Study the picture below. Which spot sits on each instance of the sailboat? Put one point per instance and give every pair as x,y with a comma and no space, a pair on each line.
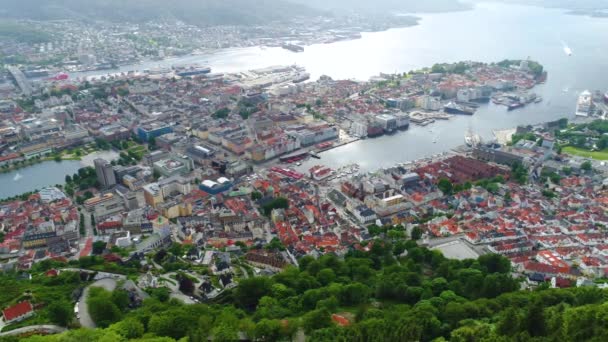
17,177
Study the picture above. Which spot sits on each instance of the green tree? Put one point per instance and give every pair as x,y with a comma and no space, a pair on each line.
445,186
60,312
416,233
130,328
494,263
316,319
256,195
98,247
268,330
250,290
586,166
101,308
535,319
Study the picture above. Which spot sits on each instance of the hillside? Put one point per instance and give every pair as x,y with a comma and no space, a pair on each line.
198,12
368,296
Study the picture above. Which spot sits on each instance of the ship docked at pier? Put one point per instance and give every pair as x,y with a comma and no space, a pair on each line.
192,71
455,108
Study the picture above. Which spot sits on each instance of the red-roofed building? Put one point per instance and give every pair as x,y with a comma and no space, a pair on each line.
18,312
340,320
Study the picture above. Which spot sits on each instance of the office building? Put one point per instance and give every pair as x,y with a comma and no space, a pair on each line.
105,173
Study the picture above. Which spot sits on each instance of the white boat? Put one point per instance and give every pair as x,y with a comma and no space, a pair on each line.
17,177
584,103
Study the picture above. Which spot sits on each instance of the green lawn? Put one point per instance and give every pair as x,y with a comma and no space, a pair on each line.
598,155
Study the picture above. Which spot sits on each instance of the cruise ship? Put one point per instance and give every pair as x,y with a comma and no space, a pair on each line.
454,108
583,106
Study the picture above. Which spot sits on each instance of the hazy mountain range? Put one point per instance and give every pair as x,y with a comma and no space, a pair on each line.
566,4
411,6
198,12
209,12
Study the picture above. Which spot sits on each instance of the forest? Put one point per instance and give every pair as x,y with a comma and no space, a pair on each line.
382,292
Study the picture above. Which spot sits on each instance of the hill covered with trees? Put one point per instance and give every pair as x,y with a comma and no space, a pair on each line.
393,292
196,12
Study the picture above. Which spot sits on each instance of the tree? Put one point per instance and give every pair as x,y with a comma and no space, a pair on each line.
152,143
277,203
256,195
121,299
224,333
494,263
68,179
316,319
221,113
268,330
101,308
586,166
416,233
60,312
535,318
98,247
250,290
326,276
130,328
445,186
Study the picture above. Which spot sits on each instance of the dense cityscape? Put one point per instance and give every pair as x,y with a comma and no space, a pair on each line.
195,213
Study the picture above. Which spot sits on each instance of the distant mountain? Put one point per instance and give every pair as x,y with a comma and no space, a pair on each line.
411,6
197,12
565,4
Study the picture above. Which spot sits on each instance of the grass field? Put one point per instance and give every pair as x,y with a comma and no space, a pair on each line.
598,155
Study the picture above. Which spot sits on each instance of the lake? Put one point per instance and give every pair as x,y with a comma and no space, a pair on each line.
36,177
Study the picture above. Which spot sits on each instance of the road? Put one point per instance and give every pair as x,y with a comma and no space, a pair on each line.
48,328
85,319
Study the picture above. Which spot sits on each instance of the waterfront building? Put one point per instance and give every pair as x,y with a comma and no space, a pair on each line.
387,121
314,134
427,102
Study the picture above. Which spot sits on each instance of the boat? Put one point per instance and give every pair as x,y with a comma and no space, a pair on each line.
606,97
538,99
301,77
17,177
583,105
293,47
515,105
194,71
454,108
